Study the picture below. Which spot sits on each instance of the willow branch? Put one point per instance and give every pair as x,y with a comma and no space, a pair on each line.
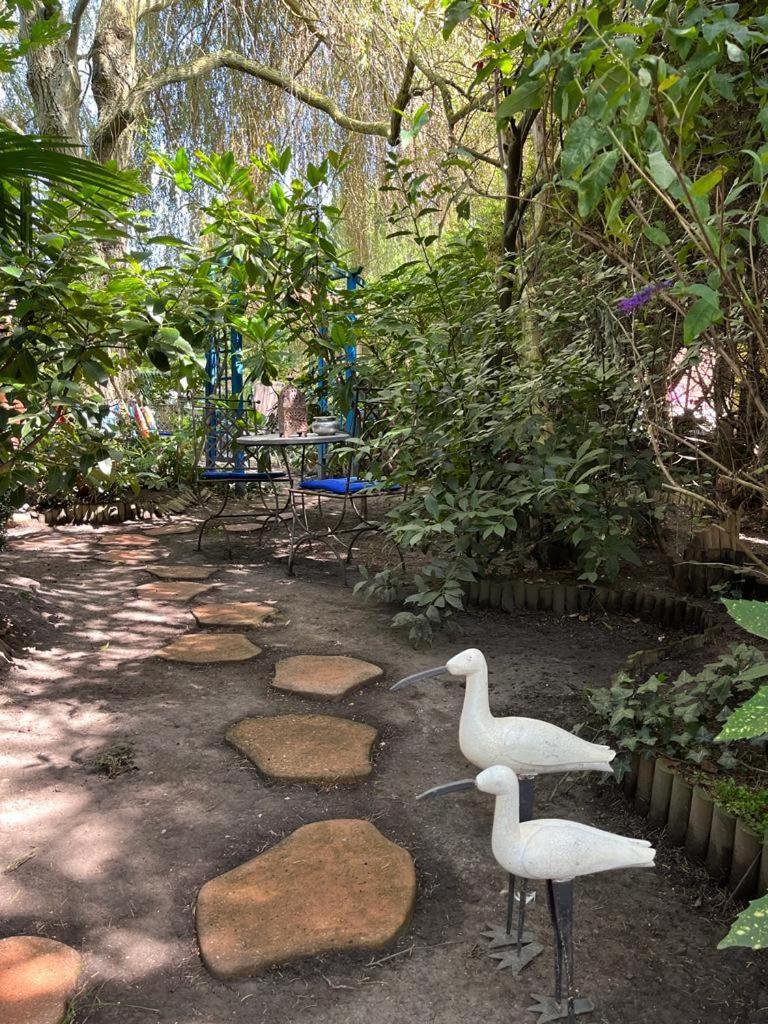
6,122
401,102
204,65
146,7
75,22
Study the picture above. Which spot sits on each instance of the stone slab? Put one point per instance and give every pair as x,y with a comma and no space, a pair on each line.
126,557
38,977
171,530
172,591
233,613
324,677
182,572
127,540
209,648
306,748
244,527
331,885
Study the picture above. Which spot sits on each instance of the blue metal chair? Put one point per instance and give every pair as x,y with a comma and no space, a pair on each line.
226,414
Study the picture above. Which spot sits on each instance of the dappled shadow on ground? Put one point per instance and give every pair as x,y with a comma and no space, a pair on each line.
112,865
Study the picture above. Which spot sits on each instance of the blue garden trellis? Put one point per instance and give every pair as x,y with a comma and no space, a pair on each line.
354,281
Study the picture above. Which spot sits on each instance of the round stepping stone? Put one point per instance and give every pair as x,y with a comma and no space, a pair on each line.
38,977
170,530
236,613
306,748
332,885
127,540
170,591
182,572
125,557
325,677
208,648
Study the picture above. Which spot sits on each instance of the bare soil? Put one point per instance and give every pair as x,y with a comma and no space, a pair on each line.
112,865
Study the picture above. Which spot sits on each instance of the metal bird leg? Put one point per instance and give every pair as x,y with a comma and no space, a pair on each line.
560,897
517,958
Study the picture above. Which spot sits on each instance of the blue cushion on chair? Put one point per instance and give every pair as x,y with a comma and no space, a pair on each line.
238,475
344,485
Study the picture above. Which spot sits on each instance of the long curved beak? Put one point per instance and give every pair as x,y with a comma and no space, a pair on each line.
428,673
447,787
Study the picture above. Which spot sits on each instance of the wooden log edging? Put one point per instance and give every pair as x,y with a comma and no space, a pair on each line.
701,624
570,598
732,854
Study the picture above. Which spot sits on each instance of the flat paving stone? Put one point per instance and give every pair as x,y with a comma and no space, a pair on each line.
171,530
173,591
331,885
325,677
126,557
127,540
182,572
209,648
38,977
306,748
234,613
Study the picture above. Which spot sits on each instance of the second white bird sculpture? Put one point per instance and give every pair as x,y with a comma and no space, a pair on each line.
555,851
526,745
529,747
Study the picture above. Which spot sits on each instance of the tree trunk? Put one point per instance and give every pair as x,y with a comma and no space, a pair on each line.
115,74
53,79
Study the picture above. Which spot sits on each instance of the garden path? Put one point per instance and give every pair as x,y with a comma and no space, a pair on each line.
112,866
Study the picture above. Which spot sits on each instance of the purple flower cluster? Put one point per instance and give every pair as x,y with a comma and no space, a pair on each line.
640,298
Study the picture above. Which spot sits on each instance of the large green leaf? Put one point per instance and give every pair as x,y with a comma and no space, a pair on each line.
750,720
583,140
662,171
750,928
750,615
703,313
593,184
46,159
527,96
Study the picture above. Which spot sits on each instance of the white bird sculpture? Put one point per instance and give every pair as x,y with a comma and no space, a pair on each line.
529,747
555,851
526,745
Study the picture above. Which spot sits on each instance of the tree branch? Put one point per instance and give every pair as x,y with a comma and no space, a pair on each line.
113,127
146,7
75,21
6,122
401,102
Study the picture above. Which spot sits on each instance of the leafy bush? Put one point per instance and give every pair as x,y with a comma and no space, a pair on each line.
679,718
750,805
510,459
750,721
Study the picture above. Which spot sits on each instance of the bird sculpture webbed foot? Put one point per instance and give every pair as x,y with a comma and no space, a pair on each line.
550,1009
516,959
500,938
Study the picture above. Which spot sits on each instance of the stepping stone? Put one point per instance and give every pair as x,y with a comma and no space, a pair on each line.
326,677
38,977
243,527
127,557
182,572
209,648
236,613
306,748
127,540
170,530
172,591
255,527
331,885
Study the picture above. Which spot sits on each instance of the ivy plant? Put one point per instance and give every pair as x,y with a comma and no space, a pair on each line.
750,721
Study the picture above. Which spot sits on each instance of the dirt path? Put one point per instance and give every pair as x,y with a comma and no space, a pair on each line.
116,863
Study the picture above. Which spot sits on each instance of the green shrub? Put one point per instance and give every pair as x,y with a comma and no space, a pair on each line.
679,718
